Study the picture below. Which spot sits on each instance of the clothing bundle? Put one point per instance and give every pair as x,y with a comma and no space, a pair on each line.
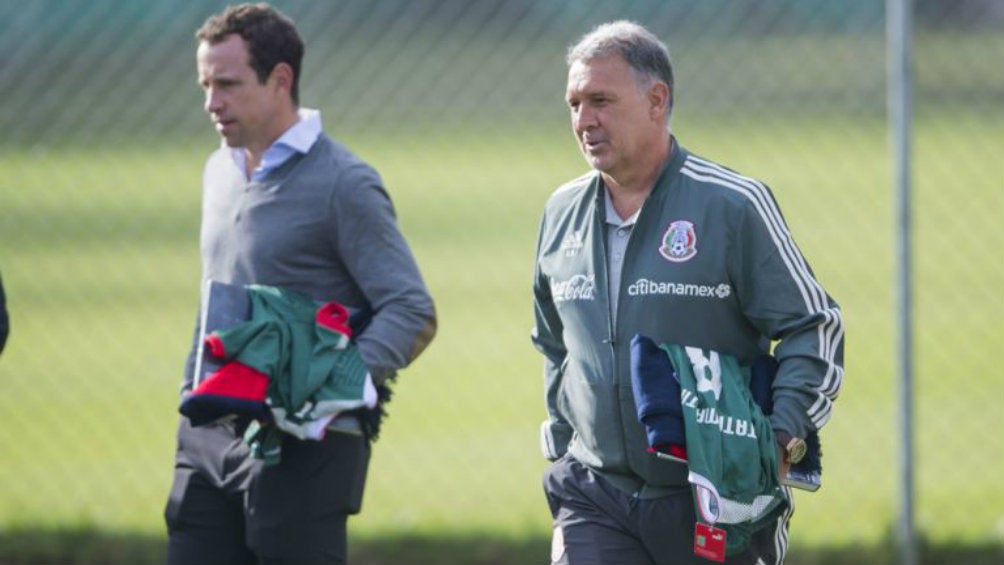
291,368
704,409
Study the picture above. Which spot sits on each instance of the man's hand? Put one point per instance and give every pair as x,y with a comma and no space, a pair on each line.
782,463
789,450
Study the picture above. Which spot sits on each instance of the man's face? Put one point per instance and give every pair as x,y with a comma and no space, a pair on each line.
242,109
613,118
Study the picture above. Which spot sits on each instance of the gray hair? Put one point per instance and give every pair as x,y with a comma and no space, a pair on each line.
639,48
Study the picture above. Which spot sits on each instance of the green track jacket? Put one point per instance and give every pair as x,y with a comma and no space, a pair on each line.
711,264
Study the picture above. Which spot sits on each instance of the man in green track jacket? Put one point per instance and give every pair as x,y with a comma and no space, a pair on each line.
659,241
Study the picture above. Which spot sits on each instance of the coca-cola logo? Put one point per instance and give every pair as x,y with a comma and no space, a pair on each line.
579,287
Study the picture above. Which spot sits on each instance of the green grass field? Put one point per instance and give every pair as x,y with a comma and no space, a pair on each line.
98,250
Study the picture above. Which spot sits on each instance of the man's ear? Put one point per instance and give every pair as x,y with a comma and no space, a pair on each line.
659,97
282,77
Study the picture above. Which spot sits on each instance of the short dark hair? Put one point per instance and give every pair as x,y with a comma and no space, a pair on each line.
270,35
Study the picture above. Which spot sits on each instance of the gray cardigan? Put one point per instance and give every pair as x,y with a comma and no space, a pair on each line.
321,224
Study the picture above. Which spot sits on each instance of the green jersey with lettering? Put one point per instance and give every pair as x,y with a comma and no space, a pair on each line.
730,445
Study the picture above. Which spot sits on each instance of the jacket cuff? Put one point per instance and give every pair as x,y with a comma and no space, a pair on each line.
215,345
554,439
785,419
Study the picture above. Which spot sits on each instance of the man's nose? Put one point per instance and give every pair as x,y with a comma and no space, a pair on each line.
212,102
584,118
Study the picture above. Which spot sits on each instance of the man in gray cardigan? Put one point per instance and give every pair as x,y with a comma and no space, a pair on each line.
284,205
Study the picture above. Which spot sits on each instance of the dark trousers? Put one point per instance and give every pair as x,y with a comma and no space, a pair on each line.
226,508
596,523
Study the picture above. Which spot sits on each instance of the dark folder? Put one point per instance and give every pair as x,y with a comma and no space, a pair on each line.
223,306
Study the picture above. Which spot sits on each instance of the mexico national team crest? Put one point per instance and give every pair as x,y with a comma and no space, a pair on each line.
679,243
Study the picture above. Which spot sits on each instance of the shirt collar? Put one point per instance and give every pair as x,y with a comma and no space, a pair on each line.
301,135
612,217
297,139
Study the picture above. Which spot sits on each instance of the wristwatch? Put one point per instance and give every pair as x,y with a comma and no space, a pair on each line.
794,447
